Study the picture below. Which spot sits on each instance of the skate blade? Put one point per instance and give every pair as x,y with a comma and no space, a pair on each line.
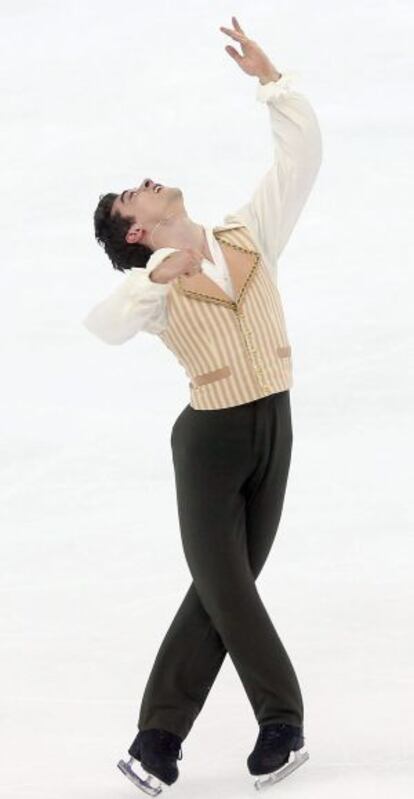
149,784
296,759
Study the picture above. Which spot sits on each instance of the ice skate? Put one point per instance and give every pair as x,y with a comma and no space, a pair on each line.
153,760
278,751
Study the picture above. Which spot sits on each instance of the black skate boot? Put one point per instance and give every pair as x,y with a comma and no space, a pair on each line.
157,751
278,751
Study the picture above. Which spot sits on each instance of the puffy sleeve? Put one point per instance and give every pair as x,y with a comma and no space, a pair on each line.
275,205
138,303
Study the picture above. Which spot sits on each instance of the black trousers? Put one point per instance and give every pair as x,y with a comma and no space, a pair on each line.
231,467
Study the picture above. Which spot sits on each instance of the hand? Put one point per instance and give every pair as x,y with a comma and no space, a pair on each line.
184,262
253,61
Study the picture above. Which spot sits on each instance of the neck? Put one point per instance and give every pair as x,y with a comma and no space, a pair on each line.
180,232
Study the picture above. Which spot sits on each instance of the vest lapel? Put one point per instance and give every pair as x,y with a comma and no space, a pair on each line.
241,265
201,287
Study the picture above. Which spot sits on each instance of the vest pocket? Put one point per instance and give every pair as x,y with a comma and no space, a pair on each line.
210,377
284,352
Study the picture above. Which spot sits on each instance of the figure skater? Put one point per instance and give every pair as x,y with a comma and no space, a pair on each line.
211,295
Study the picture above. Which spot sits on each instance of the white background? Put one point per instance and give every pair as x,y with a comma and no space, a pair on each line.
95,96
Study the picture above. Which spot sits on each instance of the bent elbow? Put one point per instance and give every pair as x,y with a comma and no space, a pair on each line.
105,335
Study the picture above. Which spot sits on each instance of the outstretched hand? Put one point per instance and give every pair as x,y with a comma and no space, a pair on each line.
253,61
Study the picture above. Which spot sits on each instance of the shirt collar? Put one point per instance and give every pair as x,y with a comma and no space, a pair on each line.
214,246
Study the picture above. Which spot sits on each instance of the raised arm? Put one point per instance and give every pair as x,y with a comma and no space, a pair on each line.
275,205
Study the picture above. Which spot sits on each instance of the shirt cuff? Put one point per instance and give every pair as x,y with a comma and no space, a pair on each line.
275,88
152,286
156,258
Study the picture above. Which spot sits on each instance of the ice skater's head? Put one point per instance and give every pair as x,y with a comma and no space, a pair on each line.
133,224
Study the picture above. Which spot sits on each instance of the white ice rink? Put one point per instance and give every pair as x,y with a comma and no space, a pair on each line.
94,97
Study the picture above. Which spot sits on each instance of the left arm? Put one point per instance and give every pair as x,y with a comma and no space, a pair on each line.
273,209
276,204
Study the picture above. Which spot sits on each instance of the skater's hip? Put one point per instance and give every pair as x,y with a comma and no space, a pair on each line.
239,418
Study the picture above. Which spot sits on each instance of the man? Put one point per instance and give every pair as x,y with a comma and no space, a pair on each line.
212,297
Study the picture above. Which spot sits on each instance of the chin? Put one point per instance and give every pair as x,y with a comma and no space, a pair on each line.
174,197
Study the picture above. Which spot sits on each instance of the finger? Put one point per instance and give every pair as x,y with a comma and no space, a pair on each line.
234,54
240,37
237,25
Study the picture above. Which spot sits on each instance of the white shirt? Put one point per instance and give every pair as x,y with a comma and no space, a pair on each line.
218,271
270,215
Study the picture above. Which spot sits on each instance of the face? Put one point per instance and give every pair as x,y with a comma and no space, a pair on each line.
147,203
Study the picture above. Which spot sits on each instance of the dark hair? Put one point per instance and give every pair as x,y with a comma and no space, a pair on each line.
110,232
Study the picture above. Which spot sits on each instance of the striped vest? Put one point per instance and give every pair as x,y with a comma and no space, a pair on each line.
233,351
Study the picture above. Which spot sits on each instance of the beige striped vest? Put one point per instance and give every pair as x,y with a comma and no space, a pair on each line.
232,350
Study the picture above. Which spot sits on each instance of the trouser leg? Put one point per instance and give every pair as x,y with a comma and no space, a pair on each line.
230,490
265,492
184,670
